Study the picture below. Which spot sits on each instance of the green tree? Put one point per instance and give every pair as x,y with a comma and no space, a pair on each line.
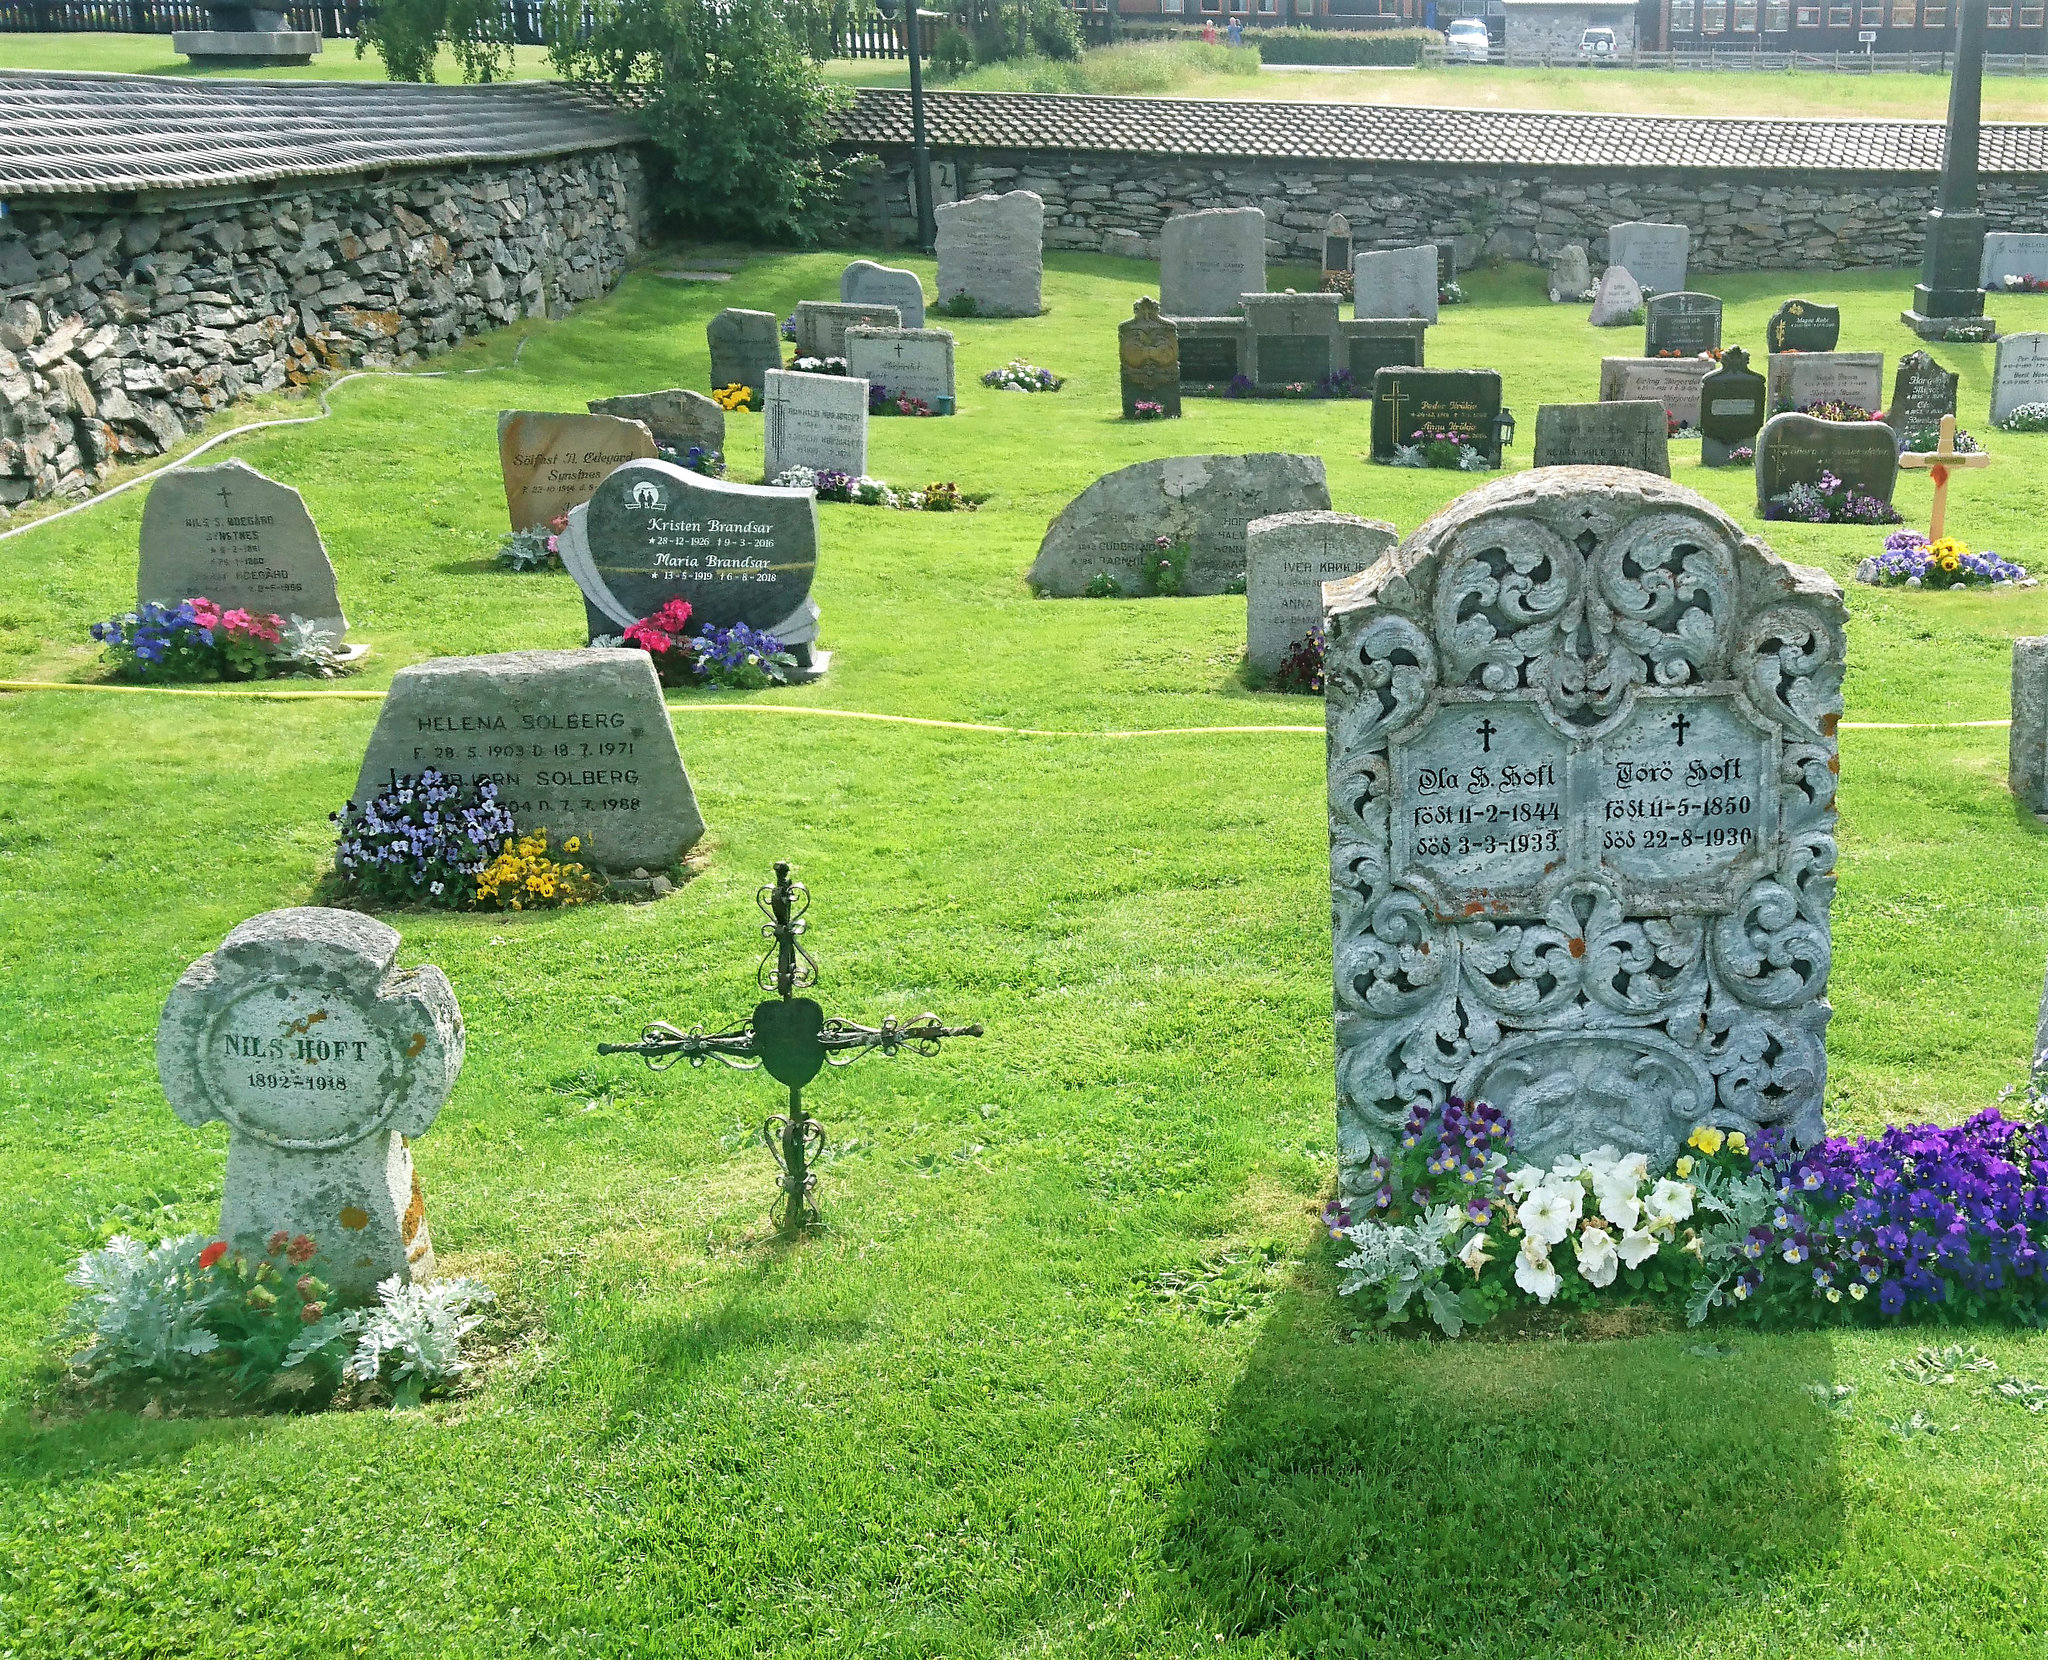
409,34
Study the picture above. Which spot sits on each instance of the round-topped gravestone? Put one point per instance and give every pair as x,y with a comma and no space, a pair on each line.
1798,449
322,1057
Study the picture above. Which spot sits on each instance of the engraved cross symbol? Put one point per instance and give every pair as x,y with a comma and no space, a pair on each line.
1395,400
1679,726
1486,731
226,499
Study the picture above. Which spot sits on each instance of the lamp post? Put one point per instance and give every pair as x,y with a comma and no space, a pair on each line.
1948,295
920,155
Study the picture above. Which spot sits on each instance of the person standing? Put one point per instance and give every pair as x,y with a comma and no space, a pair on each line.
1236,32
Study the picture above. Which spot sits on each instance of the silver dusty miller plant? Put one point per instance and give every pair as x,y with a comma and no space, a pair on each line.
1581,786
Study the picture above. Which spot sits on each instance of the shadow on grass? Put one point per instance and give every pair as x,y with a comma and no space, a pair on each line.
1418,1498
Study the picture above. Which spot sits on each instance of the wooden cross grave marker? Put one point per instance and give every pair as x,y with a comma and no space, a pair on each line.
1937,463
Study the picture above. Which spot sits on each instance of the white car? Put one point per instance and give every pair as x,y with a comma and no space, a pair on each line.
1465,41
1597,46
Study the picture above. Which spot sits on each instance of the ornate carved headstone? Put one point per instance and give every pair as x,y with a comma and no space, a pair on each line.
1208,259
745,345
237,538
1581,786
323,1058
1148,360
551,463
1803,326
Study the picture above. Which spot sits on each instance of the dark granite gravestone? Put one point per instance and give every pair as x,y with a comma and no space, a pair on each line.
745,345
1463,401
1803,326
1922,392
1337,244
1613,434
1294,338
1733,405
1210,356
737,552
1797,449
1376,343
1148,359
1682,325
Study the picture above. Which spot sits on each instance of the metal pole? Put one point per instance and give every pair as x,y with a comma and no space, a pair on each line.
920,154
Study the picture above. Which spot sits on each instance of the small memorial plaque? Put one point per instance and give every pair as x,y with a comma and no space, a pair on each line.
1373,344
1293,359
1209,358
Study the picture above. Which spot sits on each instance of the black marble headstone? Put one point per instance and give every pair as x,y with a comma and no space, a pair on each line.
1803,326
1288,358
1464,401
1922,392
1682,325
1733,404
1207,359
1797,449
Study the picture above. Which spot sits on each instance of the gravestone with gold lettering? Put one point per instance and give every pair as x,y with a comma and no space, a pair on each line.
1582,804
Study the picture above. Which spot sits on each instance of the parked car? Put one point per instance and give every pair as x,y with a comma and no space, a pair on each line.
1465,41
1597,46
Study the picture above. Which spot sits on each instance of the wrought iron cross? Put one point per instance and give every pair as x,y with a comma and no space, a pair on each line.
791,1037
1938,461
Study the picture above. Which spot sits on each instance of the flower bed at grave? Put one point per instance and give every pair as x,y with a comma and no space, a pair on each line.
1909,560
1830,502
733,397
1146,410
698,458
1447,450
1946,1225
1450,293
198,640
1301,669
2020,285
819,365
881,403
859,490
738,658
1162,576
427,840
213,1327
1336,384
1834,409
535,549
2027,417
1924,440
1019,376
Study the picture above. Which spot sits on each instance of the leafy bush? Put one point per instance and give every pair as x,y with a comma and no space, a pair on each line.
411,1342
537,549
143,1310
408,34
421,841
1367,46
1103,586
1166,567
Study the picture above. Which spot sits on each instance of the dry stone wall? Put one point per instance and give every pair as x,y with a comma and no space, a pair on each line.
121,329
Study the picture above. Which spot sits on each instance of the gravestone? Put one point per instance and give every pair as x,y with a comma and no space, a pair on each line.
1672,381
2019,375
1681,325
1295,339
551,463
244,541
1617,301
325,1060
1654,255
745,345
815,421
739,553
1336,245
821,326
1463,401
1733,407
1375,343
1148,360
1608,434
2027,759
676,418
1113,526
992,251
1797,449
1803,326
578,743
1571,273
1922,392
2022,254
1287,559
906,363
1212,351
866,283
1801,378
1581,784
1208,259
1395,282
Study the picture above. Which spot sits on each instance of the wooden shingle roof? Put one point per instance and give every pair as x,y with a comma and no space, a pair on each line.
63,134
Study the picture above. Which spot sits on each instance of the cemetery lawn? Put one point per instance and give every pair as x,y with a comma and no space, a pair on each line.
117,54
1067,1374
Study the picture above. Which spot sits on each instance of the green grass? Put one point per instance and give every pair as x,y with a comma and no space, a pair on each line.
152,55
962,1422
1153,66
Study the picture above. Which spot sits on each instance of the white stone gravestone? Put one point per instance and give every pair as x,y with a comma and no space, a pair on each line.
237,538
1655,255
1797,379
2019,375
324,1059
1207,260
905,363
992,251
2027,757
1395,282
815,421
866,283
2013,254
1617,301
1287,559
1582,803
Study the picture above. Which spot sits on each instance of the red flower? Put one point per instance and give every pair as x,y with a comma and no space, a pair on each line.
301,1249
277,1242
213,1253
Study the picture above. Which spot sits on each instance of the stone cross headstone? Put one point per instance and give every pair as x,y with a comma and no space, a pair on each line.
1295,339
1797,449
1803,326
821,326
2019,375
1113,526
1733,406
1581,783
739,553
1612,434
229,534
1617,301
1672,381
1461,401
324,1059
1207,260
1922,392
1395,282
2027,760
1571,273
578,743
551,463
1681,324
905,363
815,421
1287,559
1148,360
1655,255
745,345
2010,254
1336,246
866,283
677,418
992,251
1801,378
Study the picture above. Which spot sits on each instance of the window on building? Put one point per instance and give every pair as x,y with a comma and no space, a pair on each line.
1745,17
1777,16
1240,6
1998,17
1681,17
1902,14
1713,17
2031,16
1212,5
1266,6
1933,17
1870,14
1304,8
1808,17
1841,17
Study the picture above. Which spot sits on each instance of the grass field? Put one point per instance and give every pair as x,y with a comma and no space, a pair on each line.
965,1421
152,55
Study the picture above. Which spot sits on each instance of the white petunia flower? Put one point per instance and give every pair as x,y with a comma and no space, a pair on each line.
1547,1214
1633,1166
1535,1275
1475,1255
1568,1168
1638,1245
1670,1202
1525,1181
1597,1261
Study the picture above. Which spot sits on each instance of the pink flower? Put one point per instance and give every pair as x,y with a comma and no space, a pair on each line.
204,612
